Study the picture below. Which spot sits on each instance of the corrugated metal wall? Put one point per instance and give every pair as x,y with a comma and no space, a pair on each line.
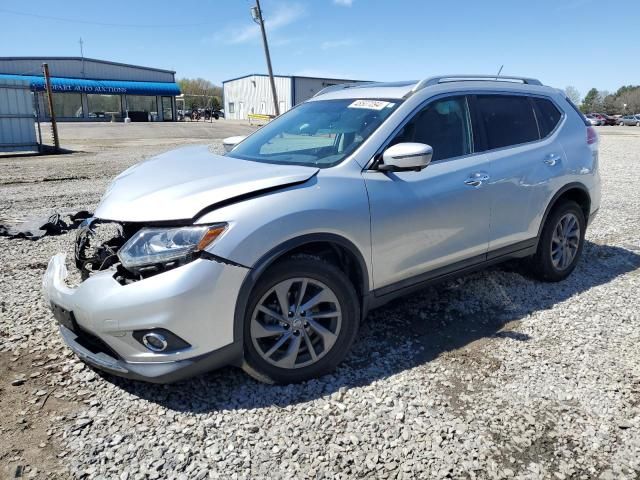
17,122
306,87
76,68
253,95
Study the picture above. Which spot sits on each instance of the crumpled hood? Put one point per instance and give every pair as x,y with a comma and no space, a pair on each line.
178,184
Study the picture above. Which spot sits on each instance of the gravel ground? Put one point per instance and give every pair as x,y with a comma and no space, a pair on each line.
493,375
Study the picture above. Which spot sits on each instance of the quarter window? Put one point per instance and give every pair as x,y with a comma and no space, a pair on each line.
507,120
548,116
444,125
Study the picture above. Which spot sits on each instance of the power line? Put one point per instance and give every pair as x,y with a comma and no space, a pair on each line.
102,24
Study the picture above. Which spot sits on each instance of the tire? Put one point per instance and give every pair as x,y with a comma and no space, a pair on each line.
546,264
318,325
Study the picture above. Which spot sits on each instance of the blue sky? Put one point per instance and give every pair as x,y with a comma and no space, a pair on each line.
585,43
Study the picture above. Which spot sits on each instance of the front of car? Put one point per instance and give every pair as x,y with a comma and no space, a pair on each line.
174,239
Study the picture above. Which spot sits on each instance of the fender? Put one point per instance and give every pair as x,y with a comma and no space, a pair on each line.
272,255
558,194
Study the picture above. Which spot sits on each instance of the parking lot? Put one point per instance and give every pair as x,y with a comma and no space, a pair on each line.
493,375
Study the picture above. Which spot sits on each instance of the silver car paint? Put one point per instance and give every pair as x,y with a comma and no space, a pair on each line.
178,184
416,221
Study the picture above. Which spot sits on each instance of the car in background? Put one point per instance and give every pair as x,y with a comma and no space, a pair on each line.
608,119
593,120
630,120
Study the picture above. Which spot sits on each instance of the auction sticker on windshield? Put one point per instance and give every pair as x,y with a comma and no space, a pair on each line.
370,104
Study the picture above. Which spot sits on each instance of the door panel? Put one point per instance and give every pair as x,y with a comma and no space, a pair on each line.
424,220
523,166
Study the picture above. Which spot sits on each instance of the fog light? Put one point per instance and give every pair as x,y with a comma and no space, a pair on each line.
154,341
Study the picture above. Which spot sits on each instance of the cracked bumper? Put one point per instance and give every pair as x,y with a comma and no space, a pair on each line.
195,301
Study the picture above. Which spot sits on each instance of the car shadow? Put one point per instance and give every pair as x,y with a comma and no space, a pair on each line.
407,333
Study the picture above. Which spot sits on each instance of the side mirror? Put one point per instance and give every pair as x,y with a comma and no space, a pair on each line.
230,142
406,156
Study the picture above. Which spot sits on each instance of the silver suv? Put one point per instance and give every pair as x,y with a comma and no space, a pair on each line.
270,256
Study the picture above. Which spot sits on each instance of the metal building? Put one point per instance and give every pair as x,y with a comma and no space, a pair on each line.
86,89
17,124
251,94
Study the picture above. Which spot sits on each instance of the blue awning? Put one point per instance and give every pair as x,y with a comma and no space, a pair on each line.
103,87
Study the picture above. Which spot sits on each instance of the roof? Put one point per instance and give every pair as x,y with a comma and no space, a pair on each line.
87,59
79,85
344,80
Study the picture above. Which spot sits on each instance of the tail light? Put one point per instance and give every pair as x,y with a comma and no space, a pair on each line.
592,136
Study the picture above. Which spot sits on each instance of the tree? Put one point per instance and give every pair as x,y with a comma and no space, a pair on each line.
573,94
198,92
591,101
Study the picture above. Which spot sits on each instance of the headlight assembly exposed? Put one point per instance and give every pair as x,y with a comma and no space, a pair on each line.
151,246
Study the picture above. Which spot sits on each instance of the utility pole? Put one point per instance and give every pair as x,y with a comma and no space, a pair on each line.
82,55
54,125
256,13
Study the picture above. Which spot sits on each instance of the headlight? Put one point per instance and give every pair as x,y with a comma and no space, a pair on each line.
163,245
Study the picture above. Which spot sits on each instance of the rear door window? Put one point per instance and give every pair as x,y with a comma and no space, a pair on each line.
548,115
507,120
444,124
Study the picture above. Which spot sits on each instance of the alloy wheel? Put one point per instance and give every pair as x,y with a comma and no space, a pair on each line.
296,323
565,241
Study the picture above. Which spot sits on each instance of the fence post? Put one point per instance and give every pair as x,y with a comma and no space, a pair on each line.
54,125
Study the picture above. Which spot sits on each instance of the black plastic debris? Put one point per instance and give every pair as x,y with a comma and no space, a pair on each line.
36,228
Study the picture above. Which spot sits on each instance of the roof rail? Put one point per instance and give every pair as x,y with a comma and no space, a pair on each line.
341,86
428,82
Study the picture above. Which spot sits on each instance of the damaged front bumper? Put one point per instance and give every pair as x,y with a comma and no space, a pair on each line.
100,317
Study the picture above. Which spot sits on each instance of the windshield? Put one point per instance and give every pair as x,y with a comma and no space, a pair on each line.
319,133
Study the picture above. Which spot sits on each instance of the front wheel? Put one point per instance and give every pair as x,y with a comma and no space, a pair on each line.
561,242
301,320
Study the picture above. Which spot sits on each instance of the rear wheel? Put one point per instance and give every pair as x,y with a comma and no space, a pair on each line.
561,242
301,320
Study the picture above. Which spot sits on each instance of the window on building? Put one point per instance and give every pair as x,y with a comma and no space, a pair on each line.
508,120
232,107
140,103
65,105
445,125
104,106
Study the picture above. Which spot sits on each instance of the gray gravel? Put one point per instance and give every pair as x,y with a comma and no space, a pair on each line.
490,376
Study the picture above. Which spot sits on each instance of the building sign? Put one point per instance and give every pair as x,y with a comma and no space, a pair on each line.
65,88
99,87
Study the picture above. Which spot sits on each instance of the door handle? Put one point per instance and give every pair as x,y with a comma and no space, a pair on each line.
476,179
552,159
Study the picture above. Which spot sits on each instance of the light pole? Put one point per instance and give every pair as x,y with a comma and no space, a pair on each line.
256,14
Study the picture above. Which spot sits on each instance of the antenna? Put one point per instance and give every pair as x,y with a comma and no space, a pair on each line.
499,71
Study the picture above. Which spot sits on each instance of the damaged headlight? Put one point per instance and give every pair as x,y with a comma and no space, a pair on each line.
151,246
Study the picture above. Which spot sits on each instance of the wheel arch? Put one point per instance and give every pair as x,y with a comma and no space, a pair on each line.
575,191
304,244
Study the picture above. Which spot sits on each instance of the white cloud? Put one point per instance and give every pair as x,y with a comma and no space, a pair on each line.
282,15
345,42
343,3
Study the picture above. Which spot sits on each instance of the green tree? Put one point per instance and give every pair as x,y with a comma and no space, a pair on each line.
198,92
591,101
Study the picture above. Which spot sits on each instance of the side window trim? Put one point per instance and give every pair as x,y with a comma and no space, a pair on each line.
376,156
530,96
563,114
